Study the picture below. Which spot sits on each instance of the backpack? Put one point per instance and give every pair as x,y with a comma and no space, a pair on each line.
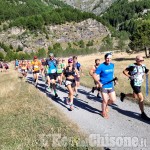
145,70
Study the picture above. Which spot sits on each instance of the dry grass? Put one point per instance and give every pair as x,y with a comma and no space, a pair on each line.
121,61
27,118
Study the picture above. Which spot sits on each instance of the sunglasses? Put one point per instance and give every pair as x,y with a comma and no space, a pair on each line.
140,60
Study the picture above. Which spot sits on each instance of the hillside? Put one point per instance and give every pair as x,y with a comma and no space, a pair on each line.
51,25
94,6
132,17
24,8
65,33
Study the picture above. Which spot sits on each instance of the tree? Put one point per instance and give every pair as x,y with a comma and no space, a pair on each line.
41,53
1,56
141,38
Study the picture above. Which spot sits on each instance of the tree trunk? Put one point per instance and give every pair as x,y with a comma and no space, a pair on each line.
147,52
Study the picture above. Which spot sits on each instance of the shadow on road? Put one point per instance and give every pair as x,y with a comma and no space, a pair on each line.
83,105
130,114
79,103
89,95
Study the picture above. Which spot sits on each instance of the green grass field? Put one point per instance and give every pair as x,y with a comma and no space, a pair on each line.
28,119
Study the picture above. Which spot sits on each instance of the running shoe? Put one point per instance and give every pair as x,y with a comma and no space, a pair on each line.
98,96
56,95
122,96
51,85
71,107
93,89
145,117
35,84
67,101
48,89
77,95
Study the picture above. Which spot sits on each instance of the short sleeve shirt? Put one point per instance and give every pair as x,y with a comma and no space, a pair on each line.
137,72
52,66
106,74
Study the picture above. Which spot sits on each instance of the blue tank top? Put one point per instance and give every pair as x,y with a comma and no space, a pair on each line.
52,67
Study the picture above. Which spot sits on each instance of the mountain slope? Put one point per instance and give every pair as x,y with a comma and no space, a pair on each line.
23,8
94,6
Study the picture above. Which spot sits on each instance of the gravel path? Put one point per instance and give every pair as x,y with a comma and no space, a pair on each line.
124,128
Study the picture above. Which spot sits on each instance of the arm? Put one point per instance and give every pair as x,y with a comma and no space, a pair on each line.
95,76
77,72
126,73
92,70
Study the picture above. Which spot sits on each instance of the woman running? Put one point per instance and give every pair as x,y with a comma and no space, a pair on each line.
24,68
70,83
59,71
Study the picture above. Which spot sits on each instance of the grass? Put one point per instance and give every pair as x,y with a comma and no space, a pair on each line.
121,61
28,118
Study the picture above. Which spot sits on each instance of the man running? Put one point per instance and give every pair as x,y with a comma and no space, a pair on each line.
16,64
36,64
135,72
91,72
106,74
52,73
77,65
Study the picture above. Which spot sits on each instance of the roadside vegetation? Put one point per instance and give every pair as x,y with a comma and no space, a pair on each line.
28,118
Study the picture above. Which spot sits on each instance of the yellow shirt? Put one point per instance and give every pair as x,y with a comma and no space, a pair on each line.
36,65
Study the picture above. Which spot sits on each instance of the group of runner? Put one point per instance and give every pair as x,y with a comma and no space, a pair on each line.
56,70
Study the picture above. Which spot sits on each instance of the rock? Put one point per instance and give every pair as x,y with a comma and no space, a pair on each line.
95,6
70,32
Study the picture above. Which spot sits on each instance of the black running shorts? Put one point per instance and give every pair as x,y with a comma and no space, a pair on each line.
136,89
53,76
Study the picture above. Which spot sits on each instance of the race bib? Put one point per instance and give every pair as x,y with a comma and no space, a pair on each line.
53,71
36,67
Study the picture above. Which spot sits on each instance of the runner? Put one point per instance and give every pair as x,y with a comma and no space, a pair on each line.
77,65
24,68
43,64
63,63
91,72
64,67
36,64
70,83
1,66
60,68
29,67
135,72
16,64
5,66
106,74
52,73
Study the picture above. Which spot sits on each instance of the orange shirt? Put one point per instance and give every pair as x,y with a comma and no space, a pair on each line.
36,65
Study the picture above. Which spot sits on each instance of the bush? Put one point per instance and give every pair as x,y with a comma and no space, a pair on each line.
1,56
